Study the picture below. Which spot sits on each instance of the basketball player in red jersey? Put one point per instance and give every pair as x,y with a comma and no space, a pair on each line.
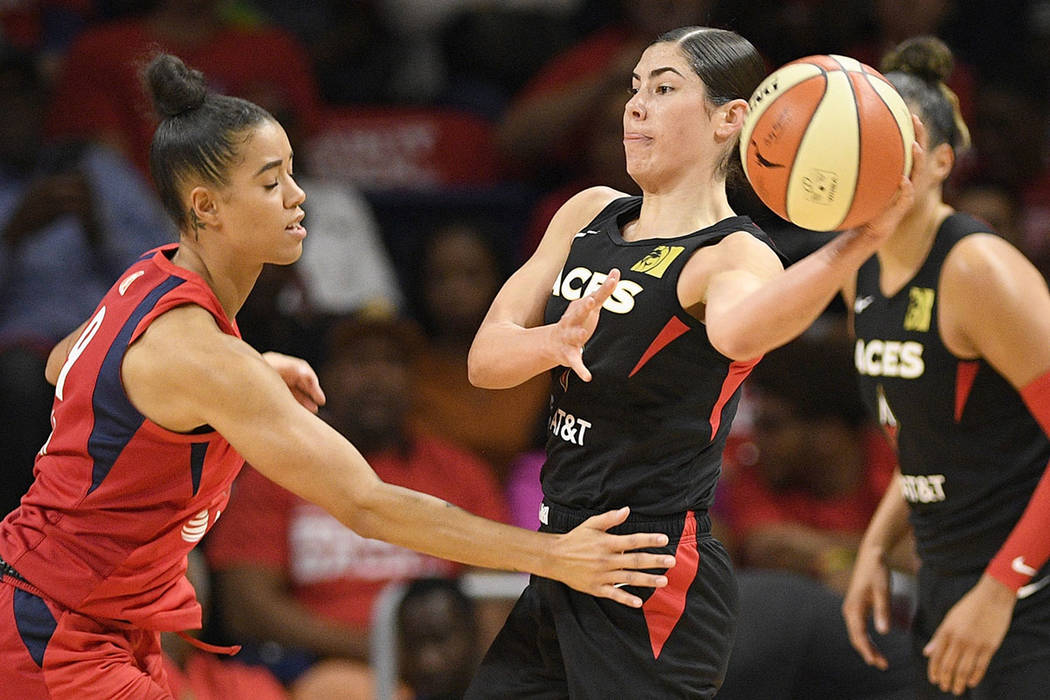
157,404
953,355
644,393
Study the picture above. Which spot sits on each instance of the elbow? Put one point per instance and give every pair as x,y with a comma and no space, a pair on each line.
735,346
739,337
479,372
475,374
363,510
478,377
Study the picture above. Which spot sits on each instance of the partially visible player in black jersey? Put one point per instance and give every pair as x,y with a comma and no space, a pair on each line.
649,312
953,354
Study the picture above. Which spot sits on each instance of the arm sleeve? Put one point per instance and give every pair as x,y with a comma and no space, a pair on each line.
1027,548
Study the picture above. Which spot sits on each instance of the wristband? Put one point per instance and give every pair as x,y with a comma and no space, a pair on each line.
1027,548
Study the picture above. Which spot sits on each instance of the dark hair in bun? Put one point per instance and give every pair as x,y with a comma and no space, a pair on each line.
918,67
174,87
199,134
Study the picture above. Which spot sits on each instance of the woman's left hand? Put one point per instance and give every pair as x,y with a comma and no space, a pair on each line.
300,378
969,635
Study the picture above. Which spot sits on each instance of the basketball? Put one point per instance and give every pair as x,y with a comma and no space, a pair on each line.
825,142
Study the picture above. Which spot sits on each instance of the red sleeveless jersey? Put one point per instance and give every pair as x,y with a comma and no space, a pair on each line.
118,501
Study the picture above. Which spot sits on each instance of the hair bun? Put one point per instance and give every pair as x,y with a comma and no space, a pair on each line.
925,57
173,87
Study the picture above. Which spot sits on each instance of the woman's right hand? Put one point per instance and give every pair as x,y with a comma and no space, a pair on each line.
868,592
592,561
576,326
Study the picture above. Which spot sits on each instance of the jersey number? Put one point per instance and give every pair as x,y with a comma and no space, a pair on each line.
75,352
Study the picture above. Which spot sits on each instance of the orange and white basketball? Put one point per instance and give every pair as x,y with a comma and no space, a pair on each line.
826,141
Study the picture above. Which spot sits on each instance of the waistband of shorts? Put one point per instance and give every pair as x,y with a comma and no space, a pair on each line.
10,575
555,518
8,570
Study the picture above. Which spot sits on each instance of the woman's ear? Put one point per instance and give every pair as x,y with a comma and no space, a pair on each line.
942,160
204,209
729,118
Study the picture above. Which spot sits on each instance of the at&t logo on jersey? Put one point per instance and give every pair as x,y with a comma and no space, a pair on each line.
194,529
889,358
579,282
568,427
928,488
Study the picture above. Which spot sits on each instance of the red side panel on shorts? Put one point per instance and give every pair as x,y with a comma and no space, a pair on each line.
664,607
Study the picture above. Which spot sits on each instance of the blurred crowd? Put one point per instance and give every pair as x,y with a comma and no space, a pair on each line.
434,140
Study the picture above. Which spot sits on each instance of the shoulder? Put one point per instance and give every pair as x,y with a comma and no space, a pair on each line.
583,206
740,255
741,249
984,263
184,343
575,214
183,361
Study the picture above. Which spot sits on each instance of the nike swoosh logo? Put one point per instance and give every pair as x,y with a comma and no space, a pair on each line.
128,280
1020,567
1025,591
862,303
762,161
581,234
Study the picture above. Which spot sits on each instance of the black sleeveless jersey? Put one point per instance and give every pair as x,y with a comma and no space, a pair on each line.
969,450
649,428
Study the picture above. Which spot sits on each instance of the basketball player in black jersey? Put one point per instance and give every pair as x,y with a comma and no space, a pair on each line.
953,354
643,393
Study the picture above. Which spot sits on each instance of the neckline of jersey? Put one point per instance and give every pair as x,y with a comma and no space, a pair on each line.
736,222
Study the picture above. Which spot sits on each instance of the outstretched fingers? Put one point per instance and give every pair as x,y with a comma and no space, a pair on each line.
608,287
578,322
617,560
855,614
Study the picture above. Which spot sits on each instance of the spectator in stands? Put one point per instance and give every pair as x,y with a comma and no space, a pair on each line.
44,28
1011,148
801,488
542,131
72,217
893,21
460,274
995,204
290,573
439,639
601,162
99,96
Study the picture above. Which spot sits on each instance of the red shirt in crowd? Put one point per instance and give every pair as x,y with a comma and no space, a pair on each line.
332,570
747,502
99,93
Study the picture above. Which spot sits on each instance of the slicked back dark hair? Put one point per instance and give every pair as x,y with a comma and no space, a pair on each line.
730,67
200,131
